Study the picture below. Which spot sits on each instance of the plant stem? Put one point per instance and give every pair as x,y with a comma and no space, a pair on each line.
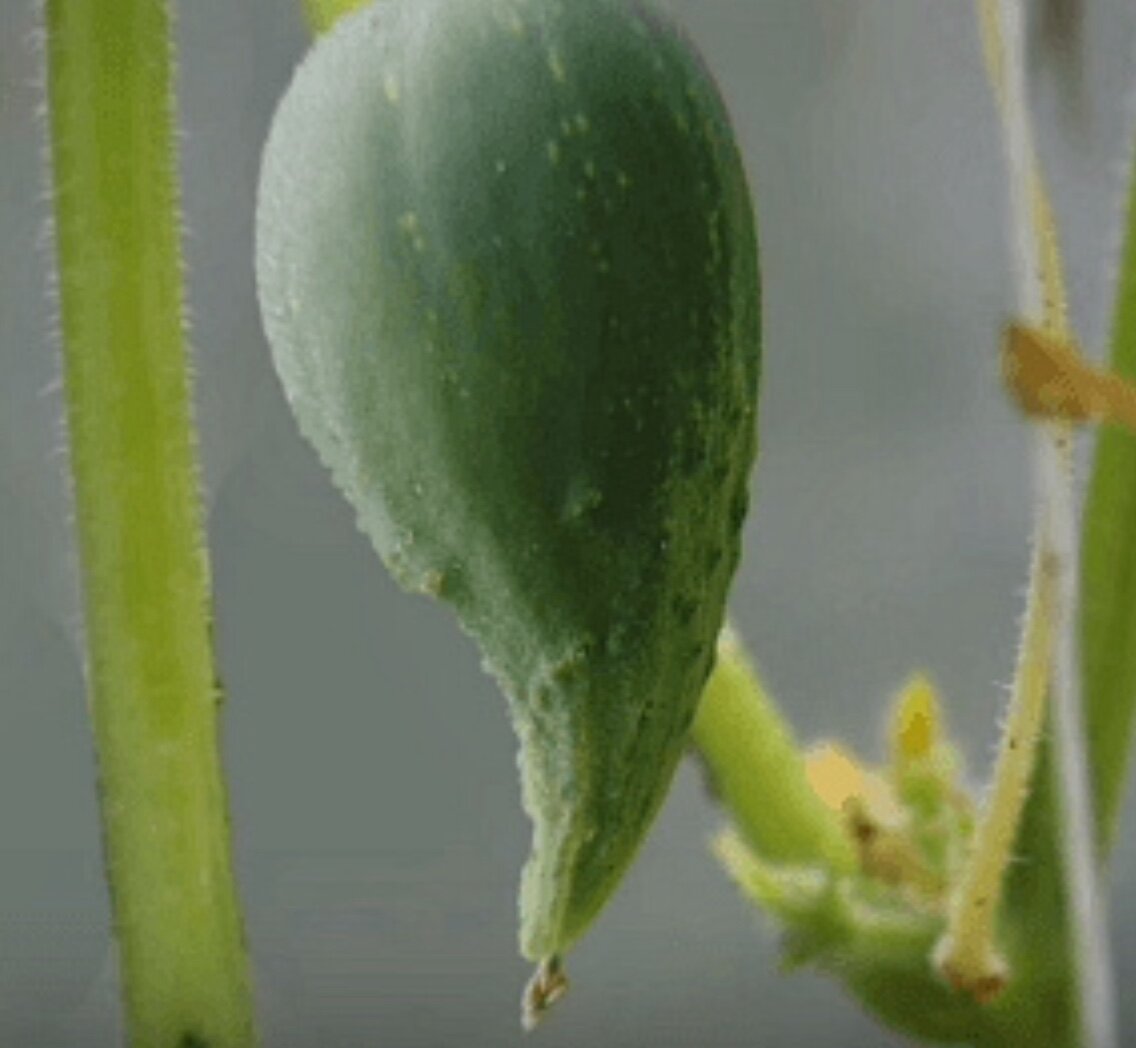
967,954
153,692
758,771
1049,652
1041,298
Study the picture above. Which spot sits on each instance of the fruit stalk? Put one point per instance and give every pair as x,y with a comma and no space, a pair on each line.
153,692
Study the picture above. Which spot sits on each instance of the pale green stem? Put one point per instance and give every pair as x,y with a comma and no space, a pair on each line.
758,772
968,954
154,696
1048,658
1041,300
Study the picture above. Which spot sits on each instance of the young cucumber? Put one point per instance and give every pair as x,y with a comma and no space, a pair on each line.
507,267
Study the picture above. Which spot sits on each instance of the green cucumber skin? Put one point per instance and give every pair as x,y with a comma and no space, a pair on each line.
508,270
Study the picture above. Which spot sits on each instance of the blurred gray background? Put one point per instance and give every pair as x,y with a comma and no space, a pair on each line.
378,829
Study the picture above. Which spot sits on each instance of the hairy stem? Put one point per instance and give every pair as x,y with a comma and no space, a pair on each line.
153,691
968,954
1049,645
1041,299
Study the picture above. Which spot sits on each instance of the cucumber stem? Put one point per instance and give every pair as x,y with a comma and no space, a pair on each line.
967,954
153,693
1048,658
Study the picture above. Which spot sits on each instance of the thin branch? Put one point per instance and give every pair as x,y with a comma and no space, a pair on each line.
1049,642
968,954
1041,298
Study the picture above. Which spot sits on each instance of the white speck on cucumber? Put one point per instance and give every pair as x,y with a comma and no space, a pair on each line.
392,89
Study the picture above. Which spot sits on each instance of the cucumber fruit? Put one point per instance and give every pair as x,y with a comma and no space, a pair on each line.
507,267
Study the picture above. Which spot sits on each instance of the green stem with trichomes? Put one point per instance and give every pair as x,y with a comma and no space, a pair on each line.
154,696
968,954
1048,662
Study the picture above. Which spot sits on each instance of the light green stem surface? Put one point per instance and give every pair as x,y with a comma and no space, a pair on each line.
758,772
1108,565
154,696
